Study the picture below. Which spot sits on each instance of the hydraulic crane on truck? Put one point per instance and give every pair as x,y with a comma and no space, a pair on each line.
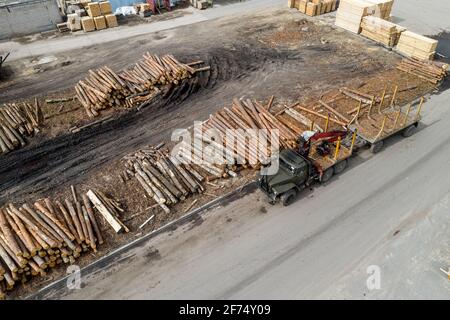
324,139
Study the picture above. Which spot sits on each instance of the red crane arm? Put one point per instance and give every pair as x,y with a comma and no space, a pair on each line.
330,136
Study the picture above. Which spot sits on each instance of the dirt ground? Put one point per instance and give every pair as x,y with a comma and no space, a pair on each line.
244,63
281,54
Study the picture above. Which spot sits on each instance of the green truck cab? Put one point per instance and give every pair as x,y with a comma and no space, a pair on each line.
295,173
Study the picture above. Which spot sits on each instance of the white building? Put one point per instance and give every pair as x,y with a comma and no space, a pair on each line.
22,17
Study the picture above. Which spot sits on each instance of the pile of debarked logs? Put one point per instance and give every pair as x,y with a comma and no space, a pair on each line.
103,88
36,238
17,123
169,177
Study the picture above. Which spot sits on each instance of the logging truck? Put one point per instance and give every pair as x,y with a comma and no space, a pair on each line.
320,155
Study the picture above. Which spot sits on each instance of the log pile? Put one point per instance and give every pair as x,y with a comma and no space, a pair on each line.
210,157
248,114
36,238
104,88
169,178
163,177
381,31
432,72
17,122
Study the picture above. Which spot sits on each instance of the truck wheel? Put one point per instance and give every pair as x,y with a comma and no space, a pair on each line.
340,166
409,131
376,147
288,197
327,174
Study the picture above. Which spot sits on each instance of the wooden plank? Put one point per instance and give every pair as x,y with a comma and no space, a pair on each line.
104,212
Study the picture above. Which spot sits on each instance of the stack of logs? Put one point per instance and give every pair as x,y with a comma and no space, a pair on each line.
34,239
18,122
430,71
104,88
163,177
170,178
252,115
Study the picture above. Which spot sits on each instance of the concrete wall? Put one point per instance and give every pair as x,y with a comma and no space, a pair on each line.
23,18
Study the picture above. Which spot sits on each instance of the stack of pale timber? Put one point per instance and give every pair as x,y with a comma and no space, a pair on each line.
165,178
383,8
351,12
313,7
427,70
18,122
417,46
381,31
138,85
34,238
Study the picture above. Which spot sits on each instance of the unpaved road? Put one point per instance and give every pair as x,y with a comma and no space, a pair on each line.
396,218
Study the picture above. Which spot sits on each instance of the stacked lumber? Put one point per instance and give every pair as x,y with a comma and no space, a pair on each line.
381,31
36,238
104,88
383,8
17,122
351,12
88,24
426,70
314,7
164,178
62,27
111,20
417,46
